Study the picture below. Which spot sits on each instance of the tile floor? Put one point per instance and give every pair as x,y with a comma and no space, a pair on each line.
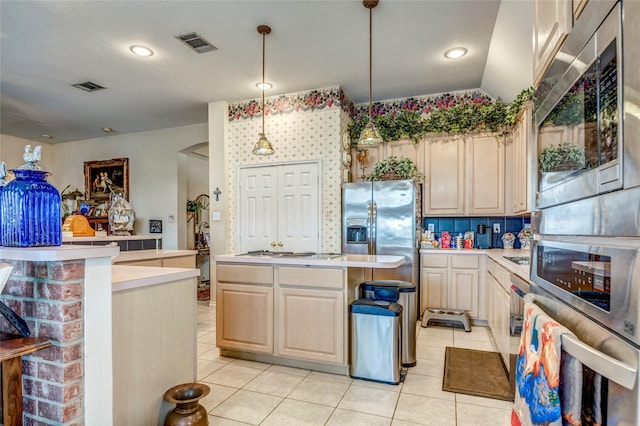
245,392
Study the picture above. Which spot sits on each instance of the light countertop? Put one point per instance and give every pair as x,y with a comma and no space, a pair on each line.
59,253
110,238
346,260
127,277
135,255
495,254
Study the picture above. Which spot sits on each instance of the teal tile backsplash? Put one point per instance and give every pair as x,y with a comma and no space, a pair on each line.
456,225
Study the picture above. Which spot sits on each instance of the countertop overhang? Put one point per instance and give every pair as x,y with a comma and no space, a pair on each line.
347,260
135,255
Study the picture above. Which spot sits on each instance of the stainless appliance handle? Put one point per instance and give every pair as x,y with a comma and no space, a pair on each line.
369,230
374,229
609,367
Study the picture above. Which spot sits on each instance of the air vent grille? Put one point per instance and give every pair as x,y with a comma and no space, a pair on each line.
88,86
196,42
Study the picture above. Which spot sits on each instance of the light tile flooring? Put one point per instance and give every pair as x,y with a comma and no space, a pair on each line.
245,392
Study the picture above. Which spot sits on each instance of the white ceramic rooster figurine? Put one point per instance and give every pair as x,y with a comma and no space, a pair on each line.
31,157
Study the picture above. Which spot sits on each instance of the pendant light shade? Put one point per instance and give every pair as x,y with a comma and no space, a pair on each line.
370,135
263,146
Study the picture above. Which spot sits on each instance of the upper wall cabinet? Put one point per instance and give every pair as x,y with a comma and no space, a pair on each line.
464,176
400,148
519,166
279,208
552,23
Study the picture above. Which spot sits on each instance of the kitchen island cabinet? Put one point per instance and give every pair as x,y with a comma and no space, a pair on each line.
290,311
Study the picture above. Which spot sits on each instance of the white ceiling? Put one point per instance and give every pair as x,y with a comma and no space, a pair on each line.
46,46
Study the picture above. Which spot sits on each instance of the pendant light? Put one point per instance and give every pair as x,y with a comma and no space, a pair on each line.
263,146
370,135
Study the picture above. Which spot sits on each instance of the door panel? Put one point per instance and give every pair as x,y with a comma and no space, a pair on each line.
258,192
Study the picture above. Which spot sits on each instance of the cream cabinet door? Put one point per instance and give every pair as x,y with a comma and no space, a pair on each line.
408,149
485,175
520,161
279,208
311,324
463,291
433,288
444,177
244,317
552,22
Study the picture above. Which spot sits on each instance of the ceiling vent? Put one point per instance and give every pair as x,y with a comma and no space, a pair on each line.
196,42
88,86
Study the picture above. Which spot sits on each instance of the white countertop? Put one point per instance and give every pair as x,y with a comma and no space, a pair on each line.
135,255
495,254
111,238
346,260
127,277
59,253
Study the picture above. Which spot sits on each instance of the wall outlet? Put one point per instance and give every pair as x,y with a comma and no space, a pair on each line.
496,228
431,227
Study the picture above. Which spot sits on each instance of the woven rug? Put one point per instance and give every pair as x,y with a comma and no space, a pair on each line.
478,373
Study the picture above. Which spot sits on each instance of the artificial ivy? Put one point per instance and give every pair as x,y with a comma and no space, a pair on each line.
460,118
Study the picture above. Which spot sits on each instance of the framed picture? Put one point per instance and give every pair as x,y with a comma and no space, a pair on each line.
103,177
155,226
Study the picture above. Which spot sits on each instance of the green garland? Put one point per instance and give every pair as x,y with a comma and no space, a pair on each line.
492,117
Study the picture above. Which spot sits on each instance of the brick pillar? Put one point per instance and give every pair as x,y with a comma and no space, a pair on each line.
49,297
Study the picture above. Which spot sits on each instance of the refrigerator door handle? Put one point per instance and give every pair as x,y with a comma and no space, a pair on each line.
369,232
374,229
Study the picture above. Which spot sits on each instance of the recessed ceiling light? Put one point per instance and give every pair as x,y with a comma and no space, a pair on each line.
265,86
47,136
141,50
107,129
455,53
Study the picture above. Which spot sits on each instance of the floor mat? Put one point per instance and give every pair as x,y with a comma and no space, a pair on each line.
478,373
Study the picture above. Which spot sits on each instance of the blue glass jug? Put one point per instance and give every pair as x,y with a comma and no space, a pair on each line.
30,207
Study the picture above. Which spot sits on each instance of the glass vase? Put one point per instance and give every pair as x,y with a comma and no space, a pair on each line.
121,214
30,210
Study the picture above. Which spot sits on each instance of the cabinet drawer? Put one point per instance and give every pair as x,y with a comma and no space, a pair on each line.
245,274
465,261
434,260
311,277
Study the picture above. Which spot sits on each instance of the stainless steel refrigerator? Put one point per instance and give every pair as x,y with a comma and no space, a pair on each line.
383,218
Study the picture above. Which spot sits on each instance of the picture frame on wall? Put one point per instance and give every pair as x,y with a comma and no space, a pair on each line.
105,176
155,226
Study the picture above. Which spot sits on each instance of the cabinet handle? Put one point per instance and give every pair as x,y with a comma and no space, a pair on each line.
273,243
280,244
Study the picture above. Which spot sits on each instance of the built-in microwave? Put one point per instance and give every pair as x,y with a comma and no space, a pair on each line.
578,112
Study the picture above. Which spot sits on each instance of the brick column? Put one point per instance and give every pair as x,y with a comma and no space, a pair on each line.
49,297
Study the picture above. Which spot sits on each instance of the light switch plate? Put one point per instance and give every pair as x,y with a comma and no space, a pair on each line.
215,215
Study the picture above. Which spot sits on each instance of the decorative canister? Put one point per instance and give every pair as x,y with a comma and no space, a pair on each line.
121,214
525,236
508,239
30,206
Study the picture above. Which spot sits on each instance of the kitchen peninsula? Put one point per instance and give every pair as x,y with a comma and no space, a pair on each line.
289,309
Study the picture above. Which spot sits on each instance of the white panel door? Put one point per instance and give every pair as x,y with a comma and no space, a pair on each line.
298,207
258,208
279,208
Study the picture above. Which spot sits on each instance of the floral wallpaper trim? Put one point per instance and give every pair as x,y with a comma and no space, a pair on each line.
423,105
310,100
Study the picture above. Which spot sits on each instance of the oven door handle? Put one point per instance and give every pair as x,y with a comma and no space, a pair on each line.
607,366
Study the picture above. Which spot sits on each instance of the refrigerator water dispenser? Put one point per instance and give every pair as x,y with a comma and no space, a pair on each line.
357,231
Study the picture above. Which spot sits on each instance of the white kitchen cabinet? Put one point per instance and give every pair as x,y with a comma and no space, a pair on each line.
444,177
279,208
519,164
551,23
453,281
311,314
244,308
401,148
498,307
464,176
485,174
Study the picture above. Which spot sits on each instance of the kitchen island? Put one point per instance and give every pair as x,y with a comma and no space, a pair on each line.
290,310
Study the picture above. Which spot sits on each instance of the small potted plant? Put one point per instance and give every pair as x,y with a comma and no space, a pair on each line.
395,168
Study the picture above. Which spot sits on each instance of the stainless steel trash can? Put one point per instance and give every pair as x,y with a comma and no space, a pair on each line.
376,340
404,293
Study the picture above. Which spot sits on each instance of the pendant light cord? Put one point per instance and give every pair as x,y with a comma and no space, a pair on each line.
263,44
370,61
